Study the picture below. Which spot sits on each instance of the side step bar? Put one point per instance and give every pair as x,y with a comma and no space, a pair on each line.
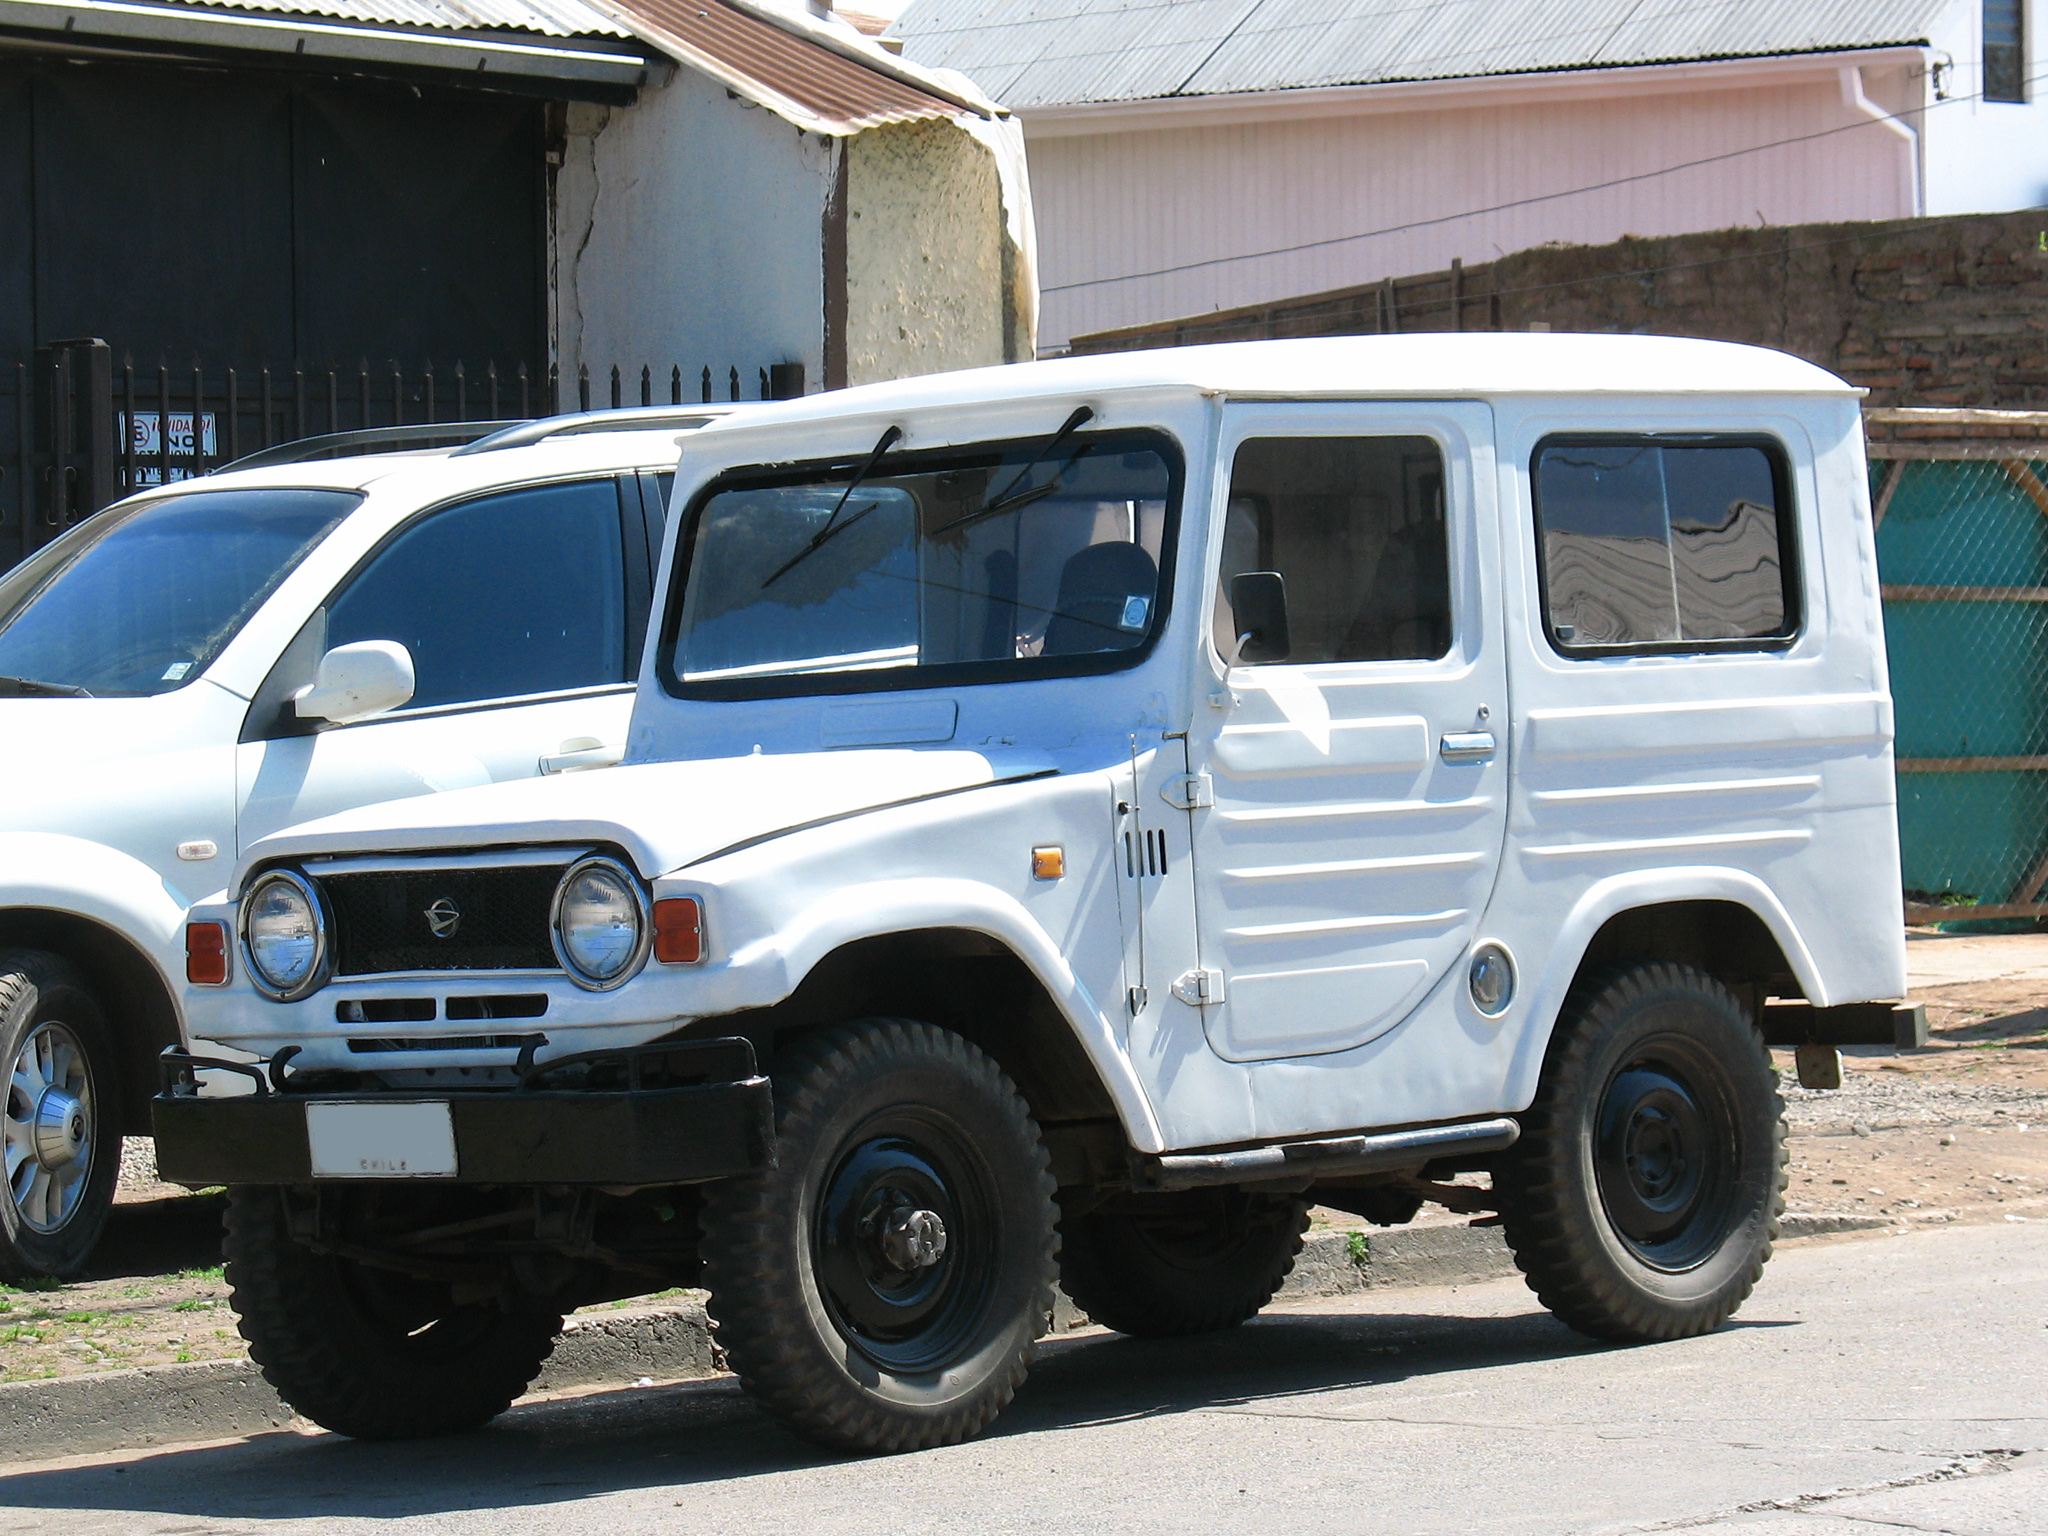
1335,1157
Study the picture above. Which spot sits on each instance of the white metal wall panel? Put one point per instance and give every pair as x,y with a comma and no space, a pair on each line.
1111,205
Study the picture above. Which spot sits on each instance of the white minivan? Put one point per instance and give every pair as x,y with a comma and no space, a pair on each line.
1077,817
199,665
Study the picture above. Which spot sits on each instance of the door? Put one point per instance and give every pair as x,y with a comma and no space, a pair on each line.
523,612
1359,781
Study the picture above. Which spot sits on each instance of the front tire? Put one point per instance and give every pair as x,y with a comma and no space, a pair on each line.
1162,1266
880,1289
63,1152
1644,1195
367,1352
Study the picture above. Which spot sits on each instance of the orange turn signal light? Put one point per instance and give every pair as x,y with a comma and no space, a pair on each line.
206,954
1048,863
678,931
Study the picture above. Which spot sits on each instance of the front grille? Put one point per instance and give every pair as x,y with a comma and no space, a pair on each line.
382,921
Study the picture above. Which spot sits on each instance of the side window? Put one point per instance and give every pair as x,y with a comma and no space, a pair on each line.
518,593
1355,528
1663,545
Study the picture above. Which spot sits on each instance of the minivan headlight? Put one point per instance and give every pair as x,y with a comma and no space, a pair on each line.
284,935
601,929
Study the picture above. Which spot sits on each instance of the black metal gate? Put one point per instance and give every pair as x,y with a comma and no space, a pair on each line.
79,430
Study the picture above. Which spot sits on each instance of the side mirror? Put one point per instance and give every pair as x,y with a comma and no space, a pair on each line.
357,681
1258,605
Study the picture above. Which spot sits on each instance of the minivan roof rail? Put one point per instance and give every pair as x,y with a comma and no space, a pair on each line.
643,418
335,445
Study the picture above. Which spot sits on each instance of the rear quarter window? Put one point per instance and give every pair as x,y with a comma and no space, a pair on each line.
1651,544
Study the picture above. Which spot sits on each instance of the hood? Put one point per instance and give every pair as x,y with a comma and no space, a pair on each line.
663,815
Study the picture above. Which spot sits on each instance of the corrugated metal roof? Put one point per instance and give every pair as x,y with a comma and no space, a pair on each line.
1049,52
789,74
549,18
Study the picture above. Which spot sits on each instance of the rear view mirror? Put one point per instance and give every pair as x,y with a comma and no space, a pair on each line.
357,681
1258,606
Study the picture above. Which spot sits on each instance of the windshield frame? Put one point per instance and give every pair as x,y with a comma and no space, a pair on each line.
46,566
956,674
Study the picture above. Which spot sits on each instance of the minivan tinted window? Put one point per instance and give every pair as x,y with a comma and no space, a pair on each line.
1664,544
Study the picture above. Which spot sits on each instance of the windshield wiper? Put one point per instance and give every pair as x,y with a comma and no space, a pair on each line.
1009,499
29,688
832,524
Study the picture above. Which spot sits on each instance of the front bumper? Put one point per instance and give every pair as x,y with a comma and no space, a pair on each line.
704,1113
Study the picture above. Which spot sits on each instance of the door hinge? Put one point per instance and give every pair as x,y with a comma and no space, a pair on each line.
1135,999
1200,988
1189,791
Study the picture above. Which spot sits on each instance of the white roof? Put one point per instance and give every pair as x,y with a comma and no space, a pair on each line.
1432,365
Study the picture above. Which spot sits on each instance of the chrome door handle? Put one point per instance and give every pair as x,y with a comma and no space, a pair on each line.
1465,746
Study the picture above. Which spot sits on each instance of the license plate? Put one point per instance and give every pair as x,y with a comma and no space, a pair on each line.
381,1141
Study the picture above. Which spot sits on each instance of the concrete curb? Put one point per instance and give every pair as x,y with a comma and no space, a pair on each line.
221,1399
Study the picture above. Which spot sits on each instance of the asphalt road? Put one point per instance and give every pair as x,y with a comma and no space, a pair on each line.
1876,1384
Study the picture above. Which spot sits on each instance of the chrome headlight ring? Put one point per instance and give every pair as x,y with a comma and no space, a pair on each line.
318,973
643,917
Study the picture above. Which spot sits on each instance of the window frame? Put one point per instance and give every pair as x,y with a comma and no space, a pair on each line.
2022,95
954,674
1791,571
270,717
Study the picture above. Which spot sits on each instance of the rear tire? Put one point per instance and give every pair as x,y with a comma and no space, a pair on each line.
880,1289
1197,1261
366,1352
1644,1195
62,1111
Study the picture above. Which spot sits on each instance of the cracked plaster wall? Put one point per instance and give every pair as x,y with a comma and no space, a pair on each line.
686,231
936,275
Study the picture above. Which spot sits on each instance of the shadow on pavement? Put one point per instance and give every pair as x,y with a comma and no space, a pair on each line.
159,1237
695,1432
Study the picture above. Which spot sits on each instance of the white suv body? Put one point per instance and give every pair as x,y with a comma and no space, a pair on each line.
192,617
1286,753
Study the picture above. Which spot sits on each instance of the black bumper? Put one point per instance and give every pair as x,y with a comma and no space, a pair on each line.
631,1135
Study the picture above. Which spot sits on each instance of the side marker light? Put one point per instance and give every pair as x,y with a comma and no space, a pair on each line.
1048,863
678,931
206,954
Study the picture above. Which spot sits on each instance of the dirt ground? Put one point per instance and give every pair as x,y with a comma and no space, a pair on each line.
1957,1132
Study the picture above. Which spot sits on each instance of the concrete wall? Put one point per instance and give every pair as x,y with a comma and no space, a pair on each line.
687,230
926,263
1920,312
1198,192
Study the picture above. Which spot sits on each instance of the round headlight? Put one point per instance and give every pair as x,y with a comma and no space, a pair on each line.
284,935
601,927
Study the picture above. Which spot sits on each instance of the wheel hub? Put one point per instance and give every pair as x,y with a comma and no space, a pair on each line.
913,1239
60,1129
48,1127
1661,1152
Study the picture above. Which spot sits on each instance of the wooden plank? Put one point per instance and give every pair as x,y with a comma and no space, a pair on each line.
1971,764
2024,477
1886,491
1919,914
2003,448
1908,593
1952,416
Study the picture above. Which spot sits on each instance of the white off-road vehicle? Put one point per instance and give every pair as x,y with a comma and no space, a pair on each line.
1076,817
203,664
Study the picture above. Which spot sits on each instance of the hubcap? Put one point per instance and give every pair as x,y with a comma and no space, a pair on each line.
903,1244
48,1127
1664,1156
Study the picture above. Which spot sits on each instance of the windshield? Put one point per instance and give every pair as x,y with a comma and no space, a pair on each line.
140,599
998,560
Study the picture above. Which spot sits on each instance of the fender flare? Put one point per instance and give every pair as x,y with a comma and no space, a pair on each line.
881,908
1608,898
75,877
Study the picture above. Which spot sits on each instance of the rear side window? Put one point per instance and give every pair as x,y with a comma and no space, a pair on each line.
1664,544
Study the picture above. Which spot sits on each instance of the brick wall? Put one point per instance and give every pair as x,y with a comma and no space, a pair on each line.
1922,312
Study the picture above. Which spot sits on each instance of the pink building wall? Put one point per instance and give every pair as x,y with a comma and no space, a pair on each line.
1465,169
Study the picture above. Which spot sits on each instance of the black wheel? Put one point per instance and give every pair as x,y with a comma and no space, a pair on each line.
880,1288
1645,1193
63,1106
1193,1262
369,1352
